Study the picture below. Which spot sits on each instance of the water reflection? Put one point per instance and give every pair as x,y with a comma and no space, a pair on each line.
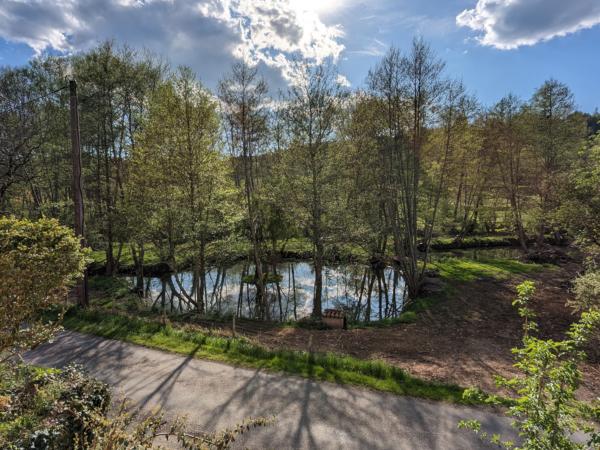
362,292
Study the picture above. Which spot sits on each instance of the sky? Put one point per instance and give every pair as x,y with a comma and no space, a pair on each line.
495,46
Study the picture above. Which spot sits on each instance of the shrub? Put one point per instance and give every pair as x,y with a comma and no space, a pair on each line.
48,409
38,262
129,429
586,288
546,412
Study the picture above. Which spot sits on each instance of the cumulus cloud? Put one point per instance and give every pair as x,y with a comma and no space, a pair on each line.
509,24
272,30
206,34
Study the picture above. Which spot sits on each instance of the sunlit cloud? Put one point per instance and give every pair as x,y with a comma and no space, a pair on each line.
509,24
271,32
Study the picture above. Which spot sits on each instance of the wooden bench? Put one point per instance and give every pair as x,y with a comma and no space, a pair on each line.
335,318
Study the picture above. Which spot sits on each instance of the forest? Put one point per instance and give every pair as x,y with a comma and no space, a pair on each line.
180,178
237,220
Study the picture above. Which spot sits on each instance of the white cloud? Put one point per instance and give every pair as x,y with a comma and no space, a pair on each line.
205,34
271,30
509,24
343,81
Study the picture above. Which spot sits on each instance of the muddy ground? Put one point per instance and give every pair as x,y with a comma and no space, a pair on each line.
464,339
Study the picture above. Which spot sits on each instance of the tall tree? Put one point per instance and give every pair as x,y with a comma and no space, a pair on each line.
313,105
506,140
409,89
243,96
114,84
20,129
178,153
556,135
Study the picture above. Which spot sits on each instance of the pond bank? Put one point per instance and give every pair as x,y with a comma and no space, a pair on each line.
299,249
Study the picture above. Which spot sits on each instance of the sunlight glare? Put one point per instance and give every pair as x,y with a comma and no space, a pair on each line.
316,6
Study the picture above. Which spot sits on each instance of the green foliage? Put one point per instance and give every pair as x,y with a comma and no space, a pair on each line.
47,408
320,366
525,293
586,288
129,429
546,412
580,208
39,261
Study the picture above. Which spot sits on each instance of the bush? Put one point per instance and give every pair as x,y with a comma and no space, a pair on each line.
546,413
586,288
47,408
38,262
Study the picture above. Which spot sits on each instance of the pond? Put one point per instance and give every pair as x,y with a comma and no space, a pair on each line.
352,287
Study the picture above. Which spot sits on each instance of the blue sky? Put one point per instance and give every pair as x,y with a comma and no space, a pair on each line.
494,46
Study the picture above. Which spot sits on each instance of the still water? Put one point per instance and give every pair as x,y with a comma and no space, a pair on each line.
352,287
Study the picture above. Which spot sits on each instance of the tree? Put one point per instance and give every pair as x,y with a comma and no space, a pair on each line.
114,84
580,209
546,412
506,141
364,195
409,89
243,100
20,129
39,261
313,105
456,109
556,135
180,170
470,178
580,212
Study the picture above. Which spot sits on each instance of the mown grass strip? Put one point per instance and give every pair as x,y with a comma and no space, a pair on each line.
239,351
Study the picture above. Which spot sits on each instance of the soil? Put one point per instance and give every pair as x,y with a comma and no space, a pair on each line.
465,339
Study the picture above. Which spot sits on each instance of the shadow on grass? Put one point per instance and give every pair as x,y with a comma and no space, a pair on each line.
320,366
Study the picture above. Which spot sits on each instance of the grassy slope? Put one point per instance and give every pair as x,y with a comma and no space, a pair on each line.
239,351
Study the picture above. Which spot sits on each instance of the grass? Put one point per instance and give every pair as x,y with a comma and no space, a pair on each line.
463,269
239,351
406,317
472,241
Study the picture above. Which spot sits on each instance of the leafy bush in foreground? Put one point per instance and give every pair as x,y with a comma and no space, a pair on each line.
48,409
38,262
546,412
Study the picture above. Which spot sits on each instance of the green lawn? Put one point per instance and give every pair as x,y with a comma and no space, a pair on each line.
239,351
465,269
